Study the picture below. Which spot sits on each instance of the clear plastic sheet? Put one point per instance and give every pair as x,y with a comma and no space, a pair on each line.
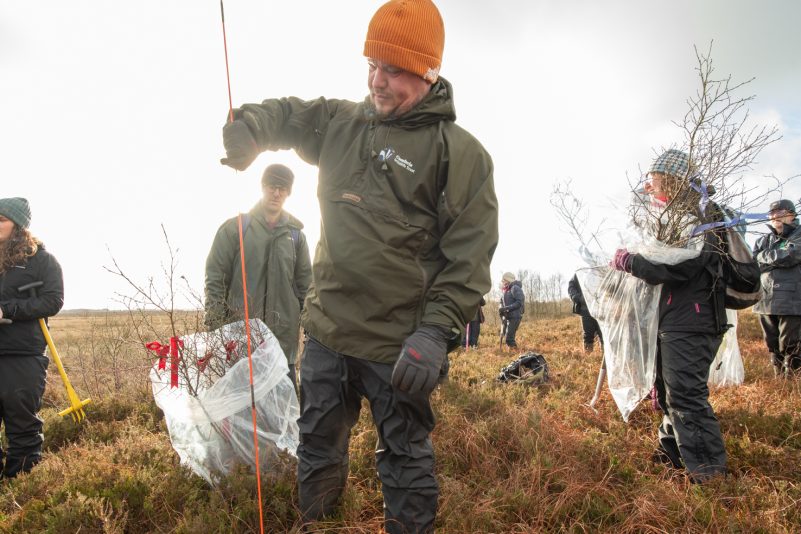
209,415
627,310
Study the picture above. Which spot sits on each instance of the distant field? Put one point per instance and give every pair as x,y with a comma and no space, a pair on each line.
510,458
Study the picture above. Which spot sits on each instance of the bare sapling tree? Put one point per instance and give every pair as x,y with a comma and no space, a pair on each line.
155,315
722,143
574,214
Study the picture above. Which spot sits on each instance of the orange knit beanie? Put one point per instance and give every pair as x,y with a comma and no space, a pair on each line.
408,34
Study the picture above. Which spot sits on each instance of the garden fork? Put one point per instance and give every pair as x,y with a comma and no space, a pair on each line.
76,404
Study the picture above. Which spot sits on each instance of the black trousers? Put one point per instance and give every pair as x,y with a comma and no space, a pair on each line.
590,329
22,384
474,329
332,386
690,433
511,331
783,338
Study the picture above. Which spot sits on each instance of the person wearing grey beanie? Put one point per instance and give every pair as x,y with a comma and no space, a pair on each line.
23,364
17,210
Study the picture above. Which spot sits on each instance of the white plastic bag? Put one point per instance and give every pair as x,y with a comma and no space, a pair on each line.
727,368
209,414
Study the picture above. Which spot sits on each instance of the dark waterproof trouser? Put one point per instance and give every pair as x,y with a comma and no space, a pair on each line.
511,332
332,386
474,329
22,384
590,328
783,338
690,432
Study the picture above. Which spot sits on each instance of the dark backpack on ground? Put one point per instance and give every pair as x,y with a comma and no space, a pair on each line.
530,368
738,269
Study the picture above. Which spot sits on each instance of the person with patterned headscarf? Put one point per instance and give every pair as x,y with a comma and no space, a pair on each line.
692,321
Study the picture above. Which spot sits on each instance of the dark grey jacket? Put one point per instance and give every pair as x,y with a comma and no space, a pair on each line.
779,258
514,300
23,337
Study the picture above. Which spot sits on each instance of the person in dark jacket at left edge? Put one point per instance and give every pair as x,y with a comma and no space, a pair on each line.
23,364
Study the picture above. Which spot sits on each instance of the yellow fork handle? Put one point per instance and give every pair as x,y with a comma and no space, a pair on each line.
75,401
54,354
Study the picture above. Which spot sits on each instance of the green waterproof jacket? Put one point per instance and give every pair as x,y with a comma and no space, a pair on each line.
278,275
409,217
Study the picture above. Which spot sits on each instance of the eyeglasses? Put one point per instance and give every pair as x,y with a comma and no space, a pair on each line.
390,70
280,189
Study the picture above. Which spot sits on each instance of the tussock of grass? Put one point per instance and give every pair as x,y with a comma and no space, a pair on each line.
510,458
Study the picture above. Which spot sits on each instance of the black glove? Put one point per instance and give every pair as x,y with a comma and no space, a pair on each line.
240,145
421,359
503,311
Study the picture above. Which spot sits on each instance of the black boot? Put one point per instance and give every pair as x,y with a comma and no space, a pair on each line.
20,464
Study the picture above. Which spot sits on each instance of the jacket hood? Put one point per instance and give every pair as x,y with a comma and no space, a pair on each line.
286,217
436,106
788,229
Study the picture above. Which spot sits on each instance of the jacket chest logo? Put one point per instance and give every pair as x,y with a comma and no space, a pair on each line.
389,154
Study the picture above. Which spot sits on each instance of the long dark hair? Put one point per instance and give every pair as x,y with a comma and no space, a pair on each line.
20,246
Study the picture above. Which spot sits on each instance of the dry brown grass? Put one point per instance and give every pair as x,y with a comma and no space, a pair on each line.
510,458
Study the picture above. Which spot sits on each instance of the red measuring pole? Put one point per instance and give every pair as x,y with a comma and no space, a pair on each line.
244,296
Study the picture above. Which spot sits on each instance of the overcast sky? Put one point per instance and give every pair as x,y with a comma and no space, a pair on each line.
113,111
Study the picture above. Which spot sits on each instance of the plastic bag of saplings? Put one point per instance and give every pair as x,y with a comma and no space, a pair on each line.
209,416
627,311
727,368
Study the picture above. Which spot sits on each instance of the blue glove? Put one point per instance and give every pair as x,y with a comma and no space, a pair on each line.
421,359
240,145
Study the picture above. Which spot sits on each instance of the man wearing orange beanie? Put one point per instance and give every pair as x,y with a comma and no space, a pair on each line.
409,227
